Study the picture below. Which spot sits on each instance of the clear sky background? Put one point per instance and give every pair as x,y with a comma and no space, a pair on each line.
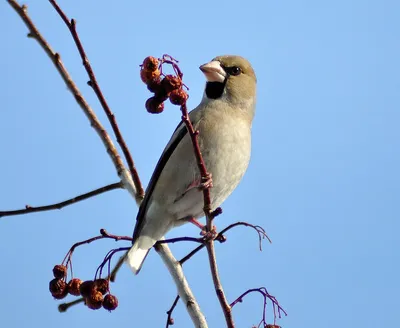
324,177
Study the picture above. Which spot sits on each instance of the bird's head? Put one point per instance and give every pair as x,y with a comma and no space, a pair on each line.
231,79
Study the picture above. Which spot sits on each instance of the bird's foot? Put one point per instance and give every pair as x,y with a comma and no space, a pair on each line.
196,223
203,183
206,182
209,235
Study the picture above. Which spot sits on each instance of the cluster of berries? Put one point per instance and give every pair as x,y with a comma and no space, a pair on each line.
163,87
92,291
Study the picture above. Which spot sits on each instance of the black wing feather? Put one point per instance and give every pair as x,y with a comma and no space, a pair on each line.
154,178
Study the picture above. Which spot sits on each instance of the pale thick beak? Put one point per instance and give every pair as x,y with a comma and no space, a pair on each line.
213,71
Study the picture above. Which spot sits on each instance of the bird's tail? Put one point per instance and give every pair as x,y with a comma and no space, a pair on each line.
137,254
144,241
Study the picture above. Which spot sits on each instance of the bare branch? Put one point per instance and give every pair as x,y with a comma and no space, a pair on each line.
178,239
34,33
206,180
221,238
184,292
260,230
277,309
63,307
170,320
71,24
218,286
193,252
59,206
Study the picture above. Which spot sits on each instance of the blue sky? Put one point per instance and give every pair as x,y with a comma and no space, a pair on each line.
323,180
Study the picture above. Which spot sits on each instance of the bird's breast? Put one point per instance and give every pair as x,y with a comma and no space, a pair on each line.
225,146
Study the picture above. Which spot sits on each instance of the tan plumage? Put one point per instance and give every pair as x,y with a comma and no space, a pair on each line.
224,119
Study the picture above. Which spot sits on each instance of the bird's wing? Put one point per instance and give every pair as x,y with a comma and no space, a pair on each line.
176,138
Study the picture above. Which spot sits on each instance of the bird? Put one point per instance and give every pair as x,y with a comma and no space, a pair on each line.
224,119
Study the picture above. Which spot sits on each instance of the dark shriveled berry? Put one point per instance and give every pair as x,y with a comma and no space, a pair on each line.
59,271
150,63
154,85
148,76
74,286
178,97
58,288
110,302
161,95
86,288
154,105
171,82
95,300
101,285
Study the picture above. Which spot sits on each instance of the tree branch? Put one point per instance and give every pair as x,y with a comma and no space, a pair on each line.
277,309
34,33
184,292
206,179
71,24
59,206
170,320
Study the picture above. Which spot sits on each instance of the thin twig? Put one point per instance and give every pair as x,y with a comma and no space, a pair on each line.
71,24
260,230
63,307
206,179
59,206
103,235
218,286
107,259
277,309
205,175
170,320
193,252
121,260
116,268
221,238
179,239
34,33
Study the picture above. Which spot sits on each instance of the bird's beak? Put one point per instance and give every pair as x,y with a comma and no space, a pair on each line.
213,71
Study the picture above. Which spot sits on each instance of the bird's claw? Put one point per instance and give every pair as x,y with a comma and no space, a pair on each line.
206,182
209,235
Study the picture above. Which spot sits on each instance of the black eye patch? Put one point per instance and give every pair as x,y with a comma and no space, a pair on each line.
214,90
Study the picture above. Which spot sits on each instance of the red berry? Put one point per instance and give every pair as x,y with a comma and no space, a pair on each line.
74,286
86,288
148,76
59,271
171,82
94,301
178,97
110,302
150,63
58,288
101,285
154,105
154,85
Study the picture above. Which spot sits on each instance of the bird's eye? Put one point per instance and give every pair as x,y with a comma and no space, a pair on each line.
234,70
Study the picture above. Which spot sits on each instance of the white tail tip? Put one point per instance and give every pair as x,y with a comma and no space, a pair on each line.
135,258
